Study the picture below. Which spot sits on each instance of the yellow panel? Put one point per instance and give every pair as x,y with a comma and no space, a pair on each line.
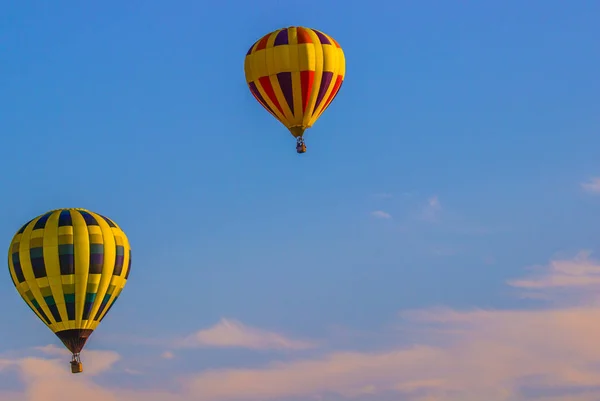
93,280
328,91
81,243
52,262
126,259
23,287
342,63
110,253
65,230
37,233
94,230
282,62
318,68
27,269
42,282
289,118
267,99
118,281
294,60
248,69
270,55
95,238
334,57
292,35
307,60
259,64
329,57
331,64
254,74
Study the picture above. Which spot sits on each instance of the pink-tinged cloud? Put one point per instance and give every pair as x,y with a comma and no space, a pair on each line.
95,362
229,333
578,273
493,355
167,355
51,380
592,185
484,355
549,354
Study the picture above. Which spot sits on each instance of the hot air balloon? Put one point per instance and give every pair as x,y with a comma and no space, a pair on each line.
295,73
70,266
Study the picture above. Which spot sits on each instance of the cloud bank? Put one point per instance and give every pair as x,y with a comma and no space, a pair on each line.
229,333
549,353
592,185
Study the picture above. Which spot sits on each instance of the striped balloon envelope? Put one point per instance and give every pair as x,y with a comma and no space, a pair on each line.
295,73
69,266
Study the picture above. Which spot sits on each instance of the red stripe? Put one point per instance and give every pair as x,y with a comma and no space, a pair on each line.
266,84
306,83
336,88
263,43
303,36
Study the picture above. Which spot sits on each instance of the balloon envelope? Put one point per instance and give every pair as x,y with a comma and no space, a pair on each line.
295,73
69,266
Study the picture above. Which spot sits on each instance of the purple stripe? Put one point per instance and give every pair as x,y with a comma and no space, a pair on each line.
256,93
67,264
282,38
285,83
118,265
96,258
322,38
325,81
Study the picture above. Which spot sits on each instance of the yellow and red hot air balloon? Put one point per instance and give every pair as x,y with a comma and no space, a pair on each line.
70,266
295,73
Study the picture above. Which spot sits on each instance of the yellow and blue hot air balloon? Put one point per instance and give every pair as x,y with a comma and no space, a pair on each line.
70,265
295,73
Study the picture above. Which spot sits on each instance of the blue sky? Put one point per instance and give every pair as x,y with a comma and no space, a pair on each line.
452,159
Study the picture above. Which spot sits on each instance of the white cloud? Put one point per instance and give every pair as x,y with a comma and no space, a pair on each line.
232,333
380,214
592,185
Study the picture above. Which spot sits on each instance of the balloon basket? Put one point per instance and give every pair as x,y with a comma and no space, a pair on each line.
76,367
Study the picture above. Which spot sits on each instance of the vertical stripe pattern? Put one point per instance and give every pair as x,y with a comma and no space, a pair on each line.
70,265
295,73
